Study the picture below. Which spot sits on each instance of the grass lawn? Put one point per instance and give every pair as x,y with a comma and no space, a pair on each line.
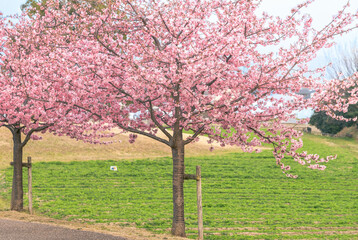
4,204
245,196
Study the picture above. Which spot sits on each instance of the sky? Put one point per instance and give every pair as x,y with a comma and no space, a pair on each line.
322,12
8,7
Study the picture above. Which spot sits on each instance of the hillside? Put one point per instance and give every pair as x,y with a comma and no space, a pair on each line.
55,148
351,132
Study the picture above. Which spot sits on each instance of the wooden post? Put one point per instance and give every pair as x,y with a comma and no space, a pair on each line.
197,177
199,202
29,169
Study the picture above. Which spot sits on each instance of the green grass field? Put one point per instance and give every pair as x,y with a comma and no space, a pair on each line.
245,196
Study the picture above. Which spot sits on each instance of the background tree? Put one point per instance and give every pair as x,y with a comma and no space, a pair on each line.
19,114
27,106
207,67
39,6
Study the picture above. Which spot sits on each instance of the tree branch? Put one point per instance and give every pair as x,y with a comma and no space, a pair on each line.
151,110
10,128
28,135
133,130
189,140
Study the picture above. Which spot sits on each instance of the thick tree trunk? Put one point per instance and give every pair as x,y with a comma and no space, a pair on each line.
178,228
17,202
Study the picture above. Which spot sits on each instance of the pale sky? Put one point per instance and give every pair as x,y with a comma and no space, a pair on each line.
320,10
8,7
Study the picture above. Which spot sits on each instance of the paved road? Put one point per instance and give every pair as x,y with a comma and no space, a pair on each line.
18,230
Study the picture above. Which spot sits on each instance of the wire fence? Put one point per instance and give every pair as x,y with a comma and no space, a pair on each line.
3,183
243,196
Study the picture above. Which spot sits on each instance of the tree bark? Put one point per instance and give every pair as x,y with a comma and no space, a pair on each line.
178,227
17,201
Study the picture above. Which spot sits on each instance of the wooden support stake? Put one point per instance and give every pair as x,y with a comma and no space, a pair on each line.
23,164
190,177
199,202
29,183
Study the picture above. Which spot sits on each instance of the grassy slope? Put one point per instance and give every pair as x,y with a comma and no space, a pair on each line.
54,148
353,131
245,195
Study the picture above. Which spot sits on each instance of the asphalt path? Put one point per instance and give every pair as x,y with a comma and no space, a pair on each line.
18,230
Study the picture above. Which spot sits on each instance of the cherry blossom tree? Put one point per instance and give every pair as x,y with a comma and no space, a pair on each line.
344,65
17,113
213,67
28,104
339,96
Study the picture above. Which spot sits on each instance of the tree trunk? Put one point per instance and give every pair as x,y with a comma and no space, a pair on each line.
17,201
178,228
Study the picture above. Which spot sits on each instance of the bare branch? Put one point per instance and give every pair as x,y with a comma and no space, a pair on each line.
28,135
189,140
151,110
133,130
